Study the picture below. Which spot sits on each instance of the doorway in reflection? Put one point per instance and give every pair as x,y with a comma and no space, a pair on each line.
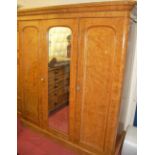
59,78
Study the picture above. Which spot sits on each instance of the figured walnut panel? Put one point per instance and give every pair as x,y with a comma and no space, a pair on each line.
30,52
100,50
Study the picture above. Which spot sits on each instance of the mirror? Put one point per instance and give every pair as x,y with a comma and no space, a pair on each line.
59,78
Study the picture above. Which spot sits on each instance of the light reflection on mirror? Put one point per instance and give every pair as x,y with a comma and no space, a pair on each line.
59,43
59,78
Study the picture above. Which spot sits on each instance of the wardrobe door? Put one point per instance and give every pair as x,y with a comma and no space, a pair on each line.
30,48
100,69
55,48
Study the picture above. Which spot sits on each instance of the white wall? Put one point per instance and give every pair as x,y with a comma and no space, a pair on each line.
129,96
39,3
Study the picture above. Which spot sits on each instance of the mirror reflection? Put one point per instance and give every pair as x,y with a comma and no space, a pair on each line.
58,78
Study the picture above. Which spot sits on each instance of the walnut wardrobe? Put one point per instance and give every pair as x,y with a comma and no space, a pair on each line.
95,46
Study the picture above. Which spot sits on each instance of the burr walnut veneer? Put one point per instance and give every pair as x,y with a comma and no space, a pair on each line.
98,54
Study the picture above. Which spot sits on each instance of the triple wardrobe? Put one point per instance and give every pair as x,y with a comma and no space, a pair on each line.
71,62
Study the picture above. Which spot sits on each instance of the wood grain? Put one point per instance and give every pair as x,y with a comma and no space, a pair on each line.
30,70
100,78
95,82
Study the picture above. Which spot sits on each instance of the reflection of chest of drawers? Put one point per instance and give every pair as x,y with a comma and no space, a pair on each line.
58,86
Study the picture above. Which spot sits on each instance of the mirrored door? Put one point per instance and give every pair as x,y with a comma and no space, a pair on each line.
59,77
58,63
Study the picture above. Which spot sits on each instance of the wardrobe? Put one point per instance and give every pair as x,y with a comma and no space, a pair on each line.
97,58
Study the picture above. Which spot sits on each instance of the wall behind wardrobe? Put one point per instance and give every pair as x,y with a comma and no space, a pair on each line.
39,3
129,96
